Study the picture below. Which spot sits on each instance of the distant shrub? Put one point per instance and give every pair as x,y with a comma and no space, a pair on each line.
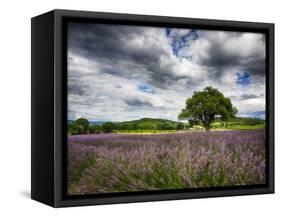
80,126
216,125
72,129
108,127
83,125
166,126
187,126
95,129
180,126
197,127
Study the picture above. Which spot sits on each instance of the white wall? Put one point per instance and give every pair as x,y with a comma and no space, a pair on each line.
15,106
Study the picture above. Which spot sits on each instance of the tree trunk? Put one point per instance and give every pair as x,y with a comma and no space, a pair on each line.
207,127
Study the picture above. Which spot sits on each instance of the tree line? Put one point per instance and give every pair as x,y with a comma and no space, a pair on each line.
83,126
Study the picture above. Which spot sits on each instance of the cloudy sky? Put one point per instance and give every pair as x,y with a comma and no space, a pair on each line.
118,72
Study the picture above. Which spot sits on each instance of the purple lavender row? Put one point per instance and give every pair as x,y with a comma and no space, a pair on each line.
104,163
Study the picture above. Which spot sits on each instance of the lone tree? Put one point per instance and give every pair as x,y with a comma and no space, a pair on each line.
204,106
83,125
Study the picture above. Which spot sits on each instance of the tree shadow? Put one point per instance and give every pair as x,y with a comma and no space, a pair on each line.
25,194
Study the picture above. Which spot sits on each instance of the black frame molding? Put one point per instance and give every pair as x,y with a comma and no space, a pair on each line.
49,104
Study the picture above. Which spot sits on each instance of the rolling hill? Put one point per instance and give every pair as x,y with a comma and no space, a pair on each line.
147,123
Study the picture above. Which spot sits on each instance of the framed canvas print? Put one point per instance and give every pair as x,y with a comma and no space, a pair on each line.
134,108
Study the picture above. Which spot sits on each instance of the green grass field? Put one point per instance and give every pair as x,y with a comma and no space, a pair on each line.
143,131
246,127
234,127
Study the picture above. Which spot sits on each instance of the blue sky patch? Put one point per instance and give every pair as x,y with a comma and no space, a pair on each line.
243,78
258,114
146,88
179,42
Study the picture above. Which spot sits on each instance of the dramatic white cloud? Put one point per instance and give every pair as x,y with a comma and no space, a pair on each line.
120,73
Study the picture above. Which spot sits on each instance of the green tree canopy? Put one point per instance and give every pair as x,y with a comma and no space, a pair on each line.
82,124
166,126
72,129
96,129
180,126
108,127
205,105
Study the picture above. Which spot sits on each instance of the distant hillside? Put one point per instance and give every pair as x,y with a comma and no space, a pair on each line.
141,124
147,123
99,123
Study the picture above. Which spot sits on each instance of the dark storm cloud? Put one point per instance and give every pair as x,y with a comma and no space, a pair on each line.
216,55
95,40
255,67
76,85
110,42
249,96
78,89
164,78
227,52
138,103
109,45
217,58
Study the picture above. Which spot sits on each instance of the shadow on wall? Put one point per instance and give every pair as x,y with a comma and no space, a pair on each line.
25,194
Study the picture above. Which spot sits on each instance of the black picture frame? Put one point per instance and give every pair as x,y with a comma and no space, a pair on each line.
49,91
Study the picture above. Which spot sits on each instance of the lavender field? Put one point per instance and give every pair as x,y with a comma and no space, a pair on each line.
104,163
